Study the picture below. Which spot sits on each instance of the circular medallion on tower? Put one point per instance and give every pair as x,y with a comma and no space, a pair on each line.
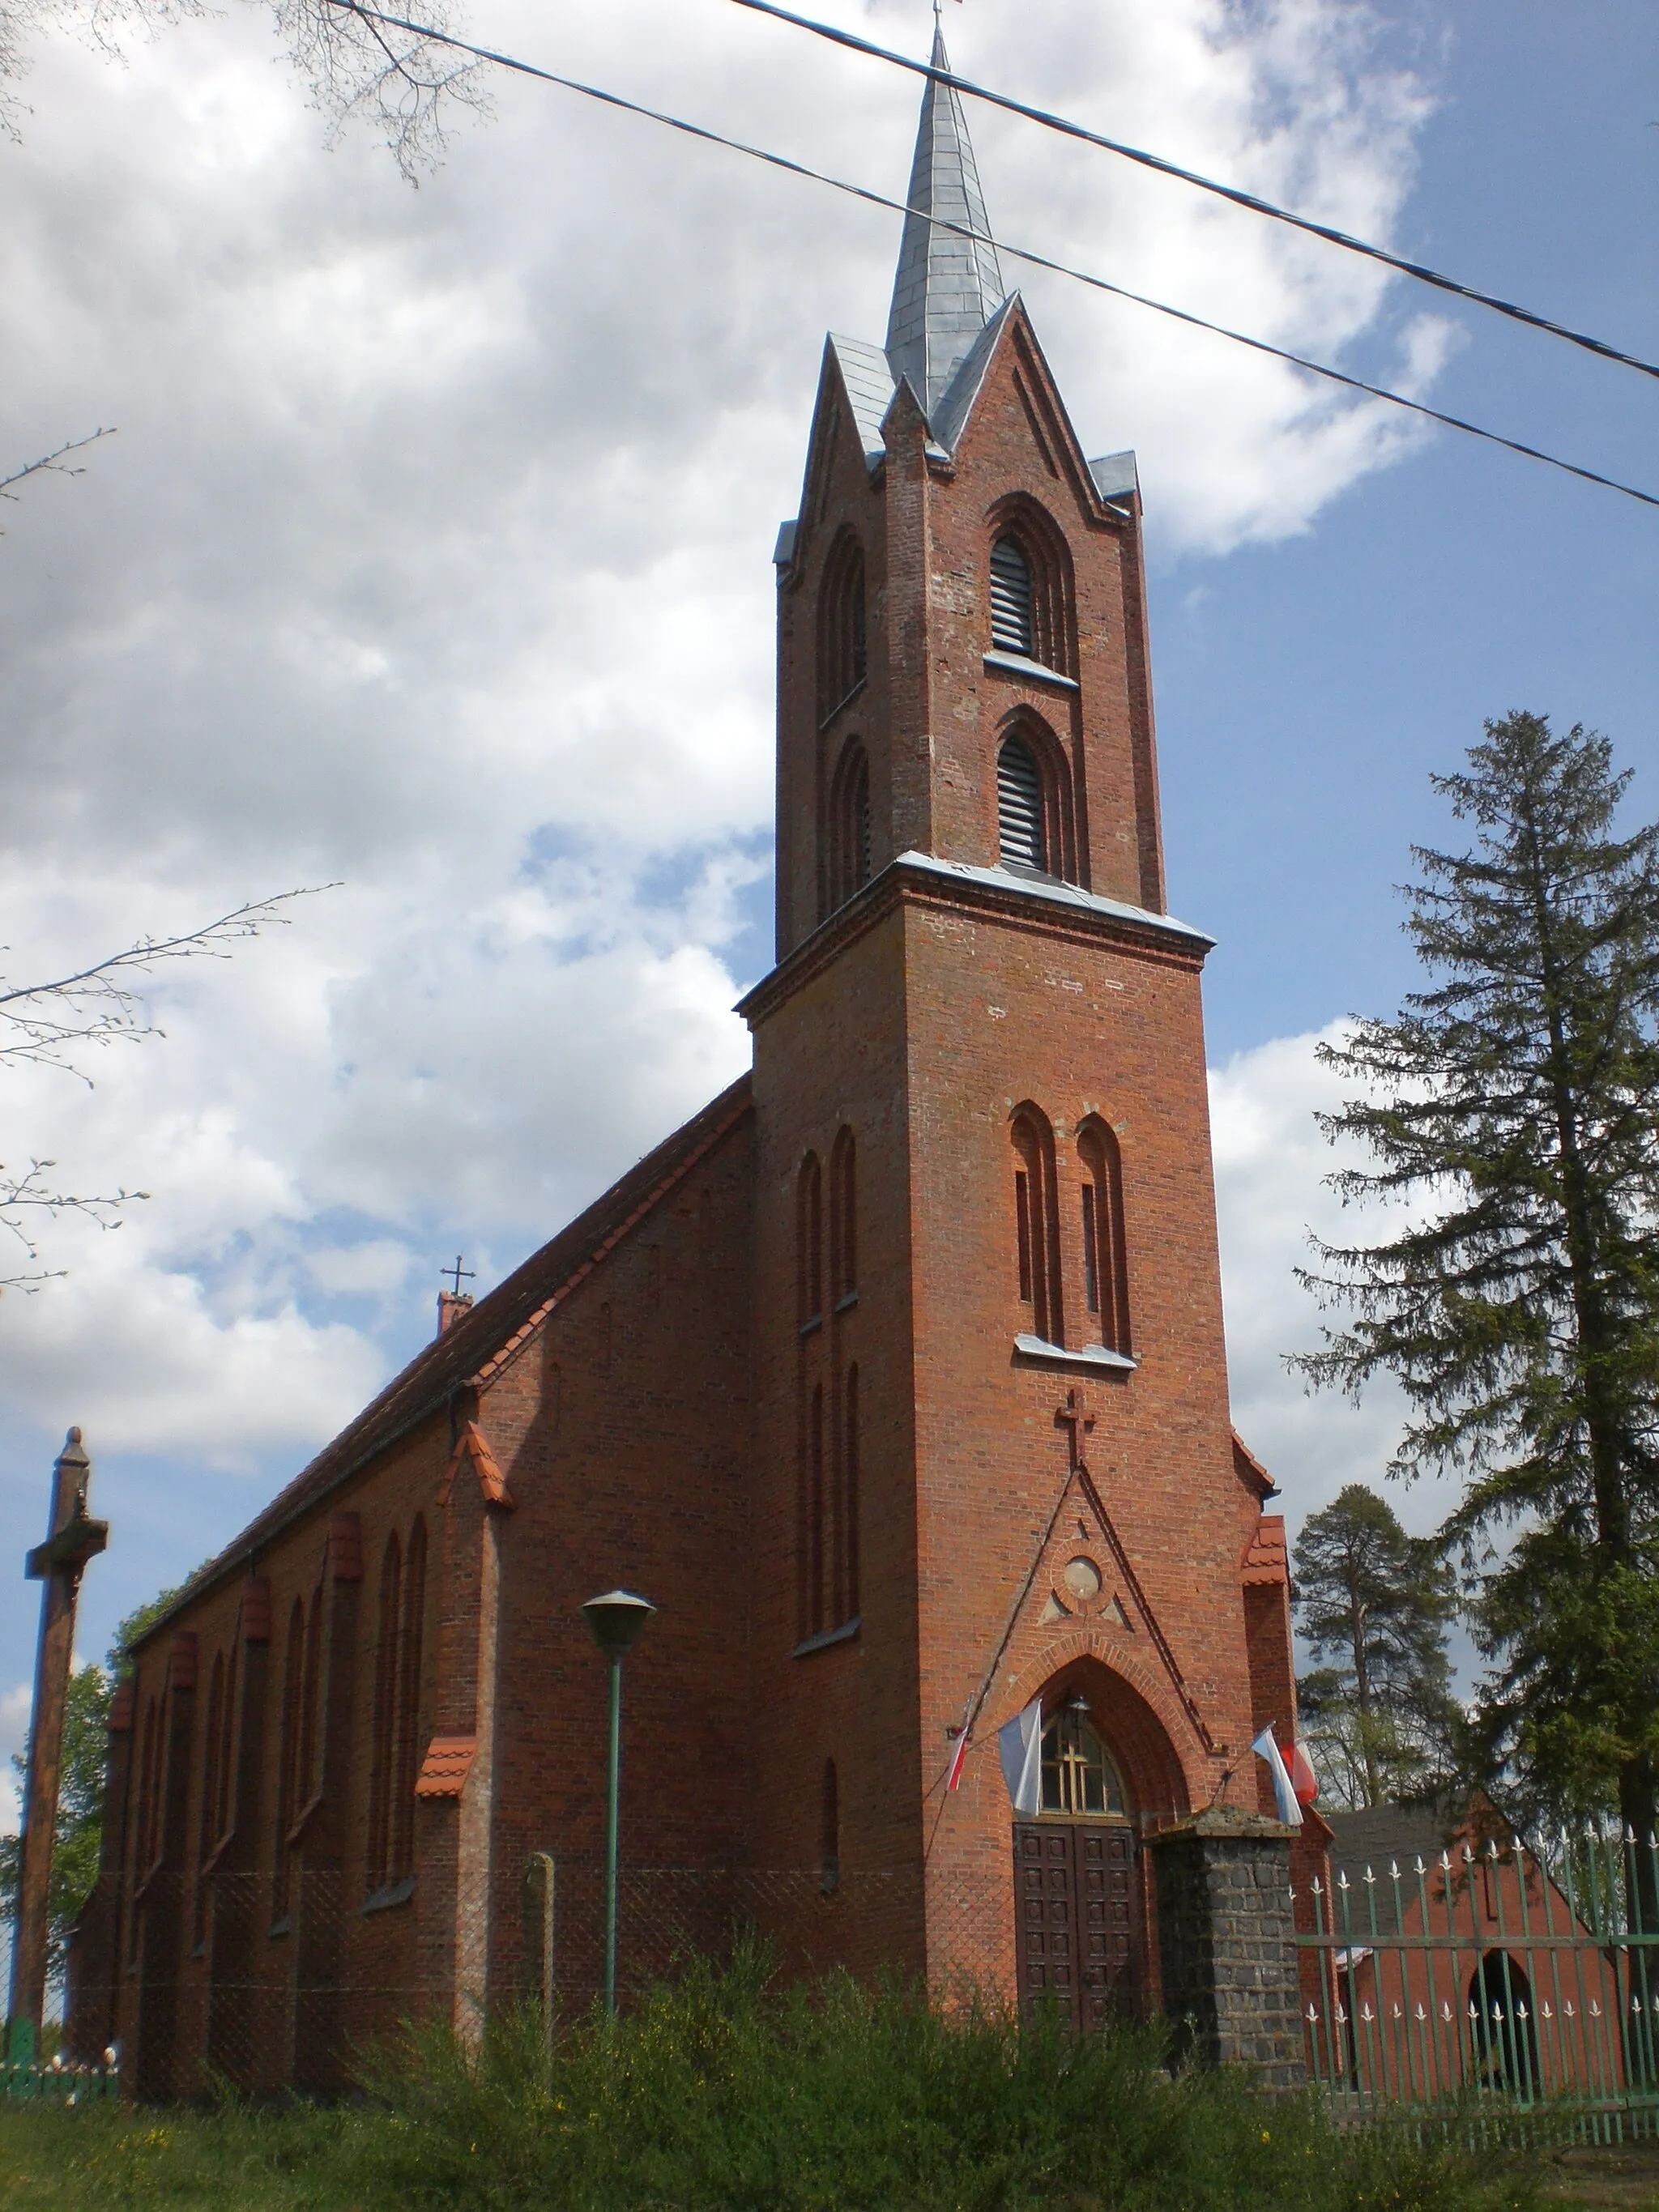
1082,1579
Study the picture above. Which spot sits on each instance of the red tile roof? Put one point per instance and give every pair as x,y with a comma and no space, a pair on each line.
447,1763
1266,1560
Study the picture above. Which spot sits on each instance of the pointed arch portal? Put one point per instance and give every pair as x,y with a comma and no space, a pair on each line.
1080,1883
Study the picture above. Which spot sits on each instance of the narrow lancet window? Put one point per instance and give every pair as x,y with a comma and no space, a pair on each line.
847,856
1037,1223
1022,829
809,1242
843,649
383,1753
843,1219
406,1737
1105,1252
1011,626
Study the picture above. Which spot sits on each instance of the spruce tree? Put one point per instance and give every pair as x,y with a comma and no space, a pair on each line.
1373,1603
1513,1106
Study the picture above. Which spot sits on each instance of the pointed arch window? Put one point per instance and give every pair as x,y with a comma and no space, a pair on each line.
1037,1223
1032,592
1022,824
847,858
1013,628
816,1502
843,648
288,1784
843,1219
1105,1252
383,1751
406,1729
809,1243
1079,1774
213,1817
846,1502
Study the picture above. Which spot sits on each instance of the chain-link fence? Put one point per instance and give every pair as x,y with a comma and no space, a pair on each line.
228,1976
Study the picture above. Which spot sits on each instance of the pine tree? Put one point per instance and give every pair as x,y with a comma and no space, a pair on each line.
1374,1601
1514,1108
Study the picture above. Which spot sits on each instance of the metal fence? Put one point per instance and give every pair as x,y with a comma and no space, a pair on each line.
57,2083
1502,1985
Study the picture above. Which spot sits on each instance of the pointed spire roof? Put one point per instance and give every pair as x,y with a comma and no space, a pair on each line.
948,287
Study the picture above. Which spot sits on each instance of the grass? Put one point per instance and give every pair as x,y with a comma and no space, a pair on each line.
723,2093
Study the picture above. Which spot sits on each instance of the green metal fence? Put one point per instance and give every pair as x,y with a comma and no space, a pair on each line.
1510,1985
57,2084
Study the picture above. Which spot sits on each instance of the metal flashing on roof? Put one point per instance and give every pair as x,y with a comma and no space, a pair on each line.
1061,894
868,383
1115,474
949,418
784,551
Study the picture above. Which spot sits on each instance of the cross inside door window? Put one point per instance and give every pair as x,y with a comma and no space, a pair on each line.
1078,1773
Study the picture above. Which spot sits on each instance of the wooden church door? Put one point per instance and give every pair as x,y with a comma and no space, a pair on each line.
1079,1930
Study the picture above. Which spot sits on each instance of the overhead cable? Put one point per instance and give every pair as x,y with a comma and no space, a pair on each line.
1016,252
1233,192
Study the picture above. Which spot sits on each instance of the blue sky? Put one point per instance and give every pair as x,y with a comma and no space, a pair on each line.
432,558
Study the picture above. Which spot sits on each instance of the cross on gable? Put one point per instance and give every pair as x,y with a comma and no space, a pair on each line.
1077,1417
461,1273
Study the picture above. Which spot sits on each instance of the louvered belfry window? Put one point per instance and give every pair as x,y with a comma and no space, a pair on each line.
1011,625
1021,829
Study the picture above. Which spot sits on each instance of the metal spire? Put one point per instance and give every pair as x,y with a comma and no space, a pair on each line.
948,287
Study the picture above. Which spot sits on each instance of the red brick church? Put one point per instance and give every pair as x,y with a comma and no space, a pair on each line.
895,1379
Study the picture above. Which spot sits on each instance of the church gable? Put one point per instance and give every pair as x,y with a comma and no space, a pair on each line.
1004,387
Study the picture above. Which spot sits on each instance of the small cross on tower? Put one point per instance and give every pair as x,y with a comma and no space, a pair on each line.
1077,1417
461,1273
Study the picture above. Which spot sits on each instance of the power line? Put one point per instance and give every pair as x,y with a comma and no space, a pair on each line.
1233,192
1015,252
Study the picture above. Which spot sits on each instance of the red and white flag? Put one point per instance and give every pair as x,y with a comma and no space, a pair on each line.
953,1779
1265,1747
1020,1742
1303,1780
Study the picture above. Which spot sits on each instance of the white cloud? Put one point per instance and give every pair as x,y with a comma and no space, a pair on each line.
14,1734
432,558
1270,1162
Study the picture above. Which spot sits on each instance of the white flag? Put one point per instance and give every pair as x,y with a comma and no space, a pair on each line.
1265,1747
1020,1742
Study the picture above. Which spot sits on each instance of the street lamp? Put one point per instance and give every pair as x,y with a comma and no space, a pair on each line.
617,1621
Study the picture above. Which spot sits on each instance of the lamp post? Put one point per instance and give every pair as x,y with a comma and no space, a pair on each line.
616,1620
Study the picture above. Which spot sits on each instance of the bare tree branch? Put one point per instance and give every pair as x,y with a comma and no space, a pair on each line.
54,464
18,1193
405,87
41,1024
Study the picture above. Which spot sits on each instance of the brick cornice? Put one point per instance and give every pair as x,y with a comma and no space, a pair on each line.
1060,911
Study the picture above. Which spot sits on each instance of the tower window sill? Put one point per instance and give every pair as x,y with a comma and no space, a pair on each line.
1087,1359
826,1637
1033,672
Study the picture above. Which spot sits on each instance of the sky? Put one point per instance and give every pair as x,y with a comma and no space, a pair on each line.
431,564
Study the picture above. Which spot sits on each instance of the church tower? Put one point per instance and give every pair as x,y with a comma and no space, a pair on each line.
993,1460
